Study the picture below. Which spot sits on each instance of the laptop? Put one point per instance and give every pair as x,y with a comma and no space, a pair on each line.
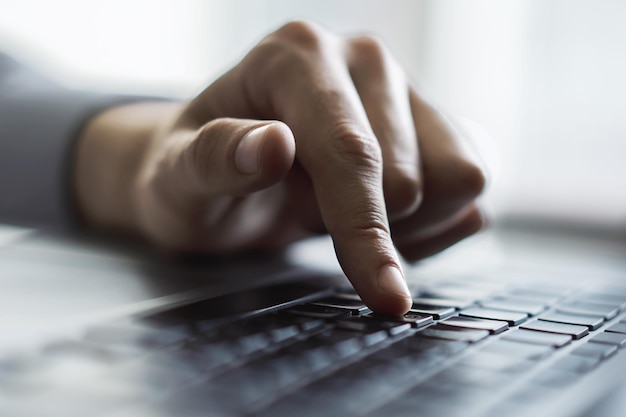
518,321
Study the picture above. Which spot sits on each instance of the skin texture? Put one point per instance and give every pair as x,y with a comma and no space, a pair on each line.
309,133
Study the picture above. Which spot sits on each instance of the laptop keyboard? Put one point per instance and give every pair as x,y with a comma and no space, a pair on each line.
460,350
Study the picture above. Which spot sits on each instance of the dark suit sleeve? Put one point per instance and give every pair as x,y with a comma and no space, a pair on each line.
39,122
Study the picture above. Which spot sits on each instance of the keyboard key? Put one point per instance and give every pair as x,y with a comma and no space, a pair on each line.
419,343
522,350
593,322
461,375
457,292
319,312
253,343
212,355
585,308
342,343
595,350
496,362
617,328
617,339
416,320
548,298
492,326
282,333
341,334
354,305
443,302
281,319
577,332
450,333
538,338
512,318
618,301
438,313
576,363
517,305
367,324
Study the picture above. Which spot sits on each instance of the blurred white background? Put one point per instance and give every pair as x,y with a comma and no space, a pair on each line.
545,78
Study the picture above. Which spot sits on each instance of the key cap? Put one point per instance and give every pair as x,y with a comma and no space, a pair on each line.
586,308
492,326
535,296
343,343
319,312
416,320
367,324
575,363
456,293
593,322
538,338
212,355
456,375
280,334
496,362
577,332
443,302
617,328
617,339
617,301
517,349
419,343
451,333
253,343
595,350
438,313
355,306
517,305
306,324
512,318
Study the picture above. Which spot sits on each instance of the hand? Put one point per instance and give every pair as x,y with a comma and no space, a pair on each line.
309,133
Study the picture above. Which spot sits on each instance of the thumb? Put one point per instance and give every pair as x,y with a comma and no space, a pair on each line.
237,156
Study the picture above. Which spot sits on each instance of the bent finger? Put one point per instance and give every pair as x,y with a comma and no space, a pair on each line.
383,90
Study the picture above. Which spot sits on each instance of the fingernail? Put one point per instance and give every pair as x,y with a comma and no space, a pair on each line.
248,153
390,279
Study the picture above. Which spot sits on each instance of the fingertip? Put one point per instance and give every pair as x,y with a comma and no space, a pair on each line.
389,295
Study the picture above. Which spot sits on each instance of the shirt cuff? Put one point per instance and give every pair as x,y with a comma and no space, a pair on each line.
39,124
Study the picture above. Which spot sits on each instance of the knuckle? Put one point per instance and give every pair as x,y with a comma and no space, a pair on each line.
370,226
471,179
403,191
475,223
301,33
273,61
281,56
355,146
462,180
370,48
371,54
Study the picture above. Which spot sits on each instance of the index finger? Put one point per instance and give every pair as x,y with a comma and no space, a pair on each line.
337,147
